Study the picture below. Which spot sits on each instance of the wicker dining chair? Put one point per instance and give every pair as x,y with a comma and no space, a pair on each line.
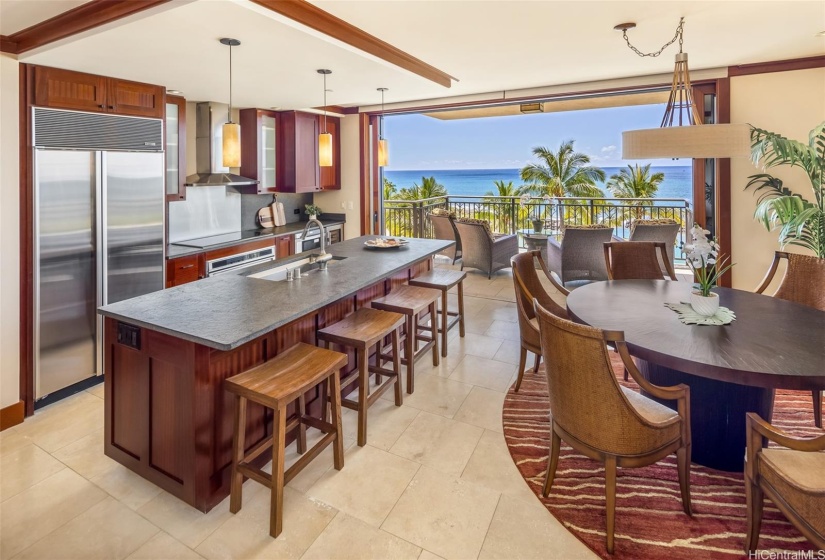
483,250
793,478
444,228
664,230
578,256
637,260
803,283
597,417
528,286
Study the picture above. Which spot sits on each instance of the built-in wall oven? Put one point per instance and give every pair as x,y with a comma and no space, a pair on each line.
234,263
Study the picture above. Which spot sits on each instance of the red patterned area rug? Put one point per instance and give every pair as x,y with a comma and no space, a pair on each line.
650,523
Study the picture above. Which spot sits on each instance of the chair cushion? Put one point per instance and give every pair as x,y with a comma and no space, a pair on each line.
484,223
565,227
652,222
650,410
442,212
799,478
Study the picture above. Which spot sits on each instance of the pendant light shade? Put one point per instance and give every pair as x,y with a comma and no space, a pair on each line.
231,145
383,153
325,138
383,145
325,149
231,130
682,133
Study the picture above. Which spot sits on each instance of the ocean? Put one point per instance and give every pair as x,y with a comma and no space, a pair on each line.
476,182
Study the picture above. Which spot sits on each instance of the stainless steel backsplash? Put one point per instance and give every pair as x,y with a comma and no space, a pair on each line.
206,211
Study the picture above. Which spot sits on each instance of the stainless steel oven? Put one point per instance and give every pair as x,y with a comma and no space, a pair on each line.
242,260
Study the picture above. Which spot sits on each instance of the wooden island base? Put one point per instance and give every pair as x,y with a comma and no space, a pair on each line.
167,416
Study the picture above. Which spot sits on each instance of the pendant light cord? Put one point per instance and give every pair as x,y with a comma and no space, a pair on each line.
325,103
381,131
230,82
677,36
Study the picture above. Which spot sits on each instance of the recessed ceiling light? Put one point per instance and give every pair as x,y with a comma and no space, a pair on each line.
274,108
174,92
820,34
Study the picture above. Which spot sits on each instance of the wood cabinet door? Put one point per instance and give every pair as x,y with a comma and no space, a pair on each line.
284,246
182,270
306,153
330,177
64,89
135,98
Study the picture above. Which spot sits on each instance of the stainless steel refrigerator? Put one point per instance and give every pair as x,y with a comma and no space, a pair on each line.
99,211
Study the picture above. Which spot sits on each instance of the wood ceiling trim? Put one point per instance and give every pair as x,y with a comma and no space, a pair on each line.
315,18
77,20
777,66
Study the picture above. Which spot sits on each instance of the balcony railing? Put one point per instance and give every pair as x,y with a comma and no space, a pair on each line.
408,218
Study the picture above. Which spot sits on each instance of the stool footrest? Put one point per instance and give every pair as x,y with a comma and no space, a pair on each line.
255,474
257,450
310,454
318,424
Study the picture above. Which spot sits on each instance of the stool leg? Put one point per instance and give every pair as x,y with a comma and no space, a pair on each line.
363,395
276,507
301,443
236,486
434,331
334,382
461,308
444,318
396,367
409,353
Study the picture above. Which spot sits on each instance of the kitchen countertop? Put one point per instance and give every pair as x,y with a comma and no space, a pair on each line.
227,310
174,251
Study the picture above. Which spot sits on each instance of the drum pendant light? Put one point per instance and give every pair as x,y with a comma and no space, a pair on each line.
231,130
325,138
383,146
682,134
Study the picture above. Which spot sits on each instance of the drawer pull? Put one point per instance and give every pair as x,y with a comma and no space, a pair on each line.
187,266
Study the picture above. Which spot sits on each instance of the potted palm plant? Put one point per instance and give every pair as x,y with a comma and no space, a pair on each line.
800,221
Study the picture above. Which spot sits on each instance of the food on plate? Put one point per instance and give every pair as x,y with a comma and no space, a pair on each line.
385,242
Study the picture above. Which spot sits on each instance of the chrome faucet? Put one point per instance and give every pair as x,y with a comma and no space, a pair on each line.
323,256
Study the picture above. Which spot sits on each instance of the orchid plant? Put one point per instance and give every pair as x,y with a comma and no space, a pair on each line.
703,258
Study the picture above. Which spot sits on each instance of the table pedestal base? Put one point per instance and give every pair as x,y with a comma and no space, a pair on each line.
717,414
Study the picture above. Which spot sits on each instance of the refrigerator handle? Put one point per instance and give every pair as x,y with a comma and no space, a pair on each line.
104,228
100,255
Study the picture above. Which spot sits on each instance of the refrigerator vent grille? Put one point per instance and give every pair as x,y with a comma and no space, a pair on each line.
91,131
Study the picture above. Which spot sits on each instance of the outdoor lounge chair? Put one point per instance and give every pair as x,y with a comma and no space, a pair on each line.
580,254
483,250
662,230
444,228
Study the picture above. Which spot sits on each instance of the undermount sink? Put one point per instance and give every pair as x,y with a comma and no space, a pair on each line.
300,268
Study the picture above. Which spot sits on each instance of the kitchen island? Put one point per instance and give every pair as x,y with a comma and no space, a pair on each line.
167,417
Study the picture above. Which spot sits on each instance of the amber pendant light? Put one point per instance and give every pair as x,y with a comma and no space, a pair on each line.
231,130
325,138
682,133
383,146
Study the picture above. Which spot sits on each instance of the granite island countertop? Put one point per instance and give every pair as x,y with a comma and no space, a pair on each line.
227,310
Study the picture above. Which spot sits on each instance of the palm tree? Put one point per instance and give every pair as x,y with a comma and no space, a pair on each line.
502,206
389,189
635,182
430,188
563,173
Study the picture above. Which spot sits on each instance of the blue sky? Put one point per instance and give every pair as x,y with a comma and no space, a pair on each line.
425,143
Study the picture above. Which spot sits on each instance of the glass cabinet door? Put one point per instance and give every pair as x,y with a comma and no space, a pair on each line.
172,142
267,156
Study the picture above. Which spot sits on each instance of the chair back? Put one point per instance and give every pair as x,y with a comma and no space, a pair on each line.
664,231
528,285
637,260
582,253
444,228
804,280
585,398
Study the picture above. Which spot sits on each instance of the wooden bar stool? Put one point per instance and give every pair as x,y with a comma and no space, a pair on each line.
362,330
275,384
444,279
411,301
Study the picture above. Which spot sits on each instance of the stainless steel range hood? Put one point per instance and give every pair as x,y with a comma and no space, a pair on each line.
209,120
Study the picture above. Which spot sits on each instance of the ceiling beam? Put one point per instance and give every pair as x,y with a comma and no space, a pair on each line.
315,18
77,20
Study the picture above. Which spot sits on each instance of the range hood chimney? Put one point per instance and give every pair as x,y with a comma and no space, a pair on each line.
209,118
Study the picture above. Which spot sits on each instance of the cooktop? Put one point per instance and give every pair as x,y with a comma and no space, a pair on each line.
203,242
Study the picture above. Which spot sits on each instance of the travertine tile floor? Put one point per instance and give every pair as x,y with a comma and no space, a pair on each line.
435,480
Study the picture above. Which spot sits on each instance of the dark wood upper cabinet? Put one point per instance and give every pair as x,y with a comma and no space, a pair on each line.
331,176
175,132
259,148
65,89
298,169
134,98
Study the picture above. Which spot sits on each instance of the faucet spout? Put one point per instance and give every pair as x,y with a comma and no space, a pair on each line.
323,256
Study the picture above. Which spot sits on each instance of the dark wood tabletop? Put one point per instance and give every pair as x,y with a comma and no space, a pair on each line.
772,343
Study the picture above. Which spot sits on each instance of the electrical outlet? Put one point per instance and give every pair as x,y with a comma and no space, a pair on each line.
343,205
296,211
350,205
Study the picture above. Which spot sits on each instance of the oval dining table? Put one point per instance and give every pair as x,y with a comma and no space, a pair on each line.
730,369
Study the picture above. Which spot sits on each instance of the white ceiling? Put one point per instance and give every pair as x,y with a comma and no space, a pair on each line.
16,15
488,45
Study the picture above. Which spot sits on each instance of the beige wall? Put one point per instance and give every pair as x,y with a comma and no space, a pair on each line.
790,103
9,233
350,180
